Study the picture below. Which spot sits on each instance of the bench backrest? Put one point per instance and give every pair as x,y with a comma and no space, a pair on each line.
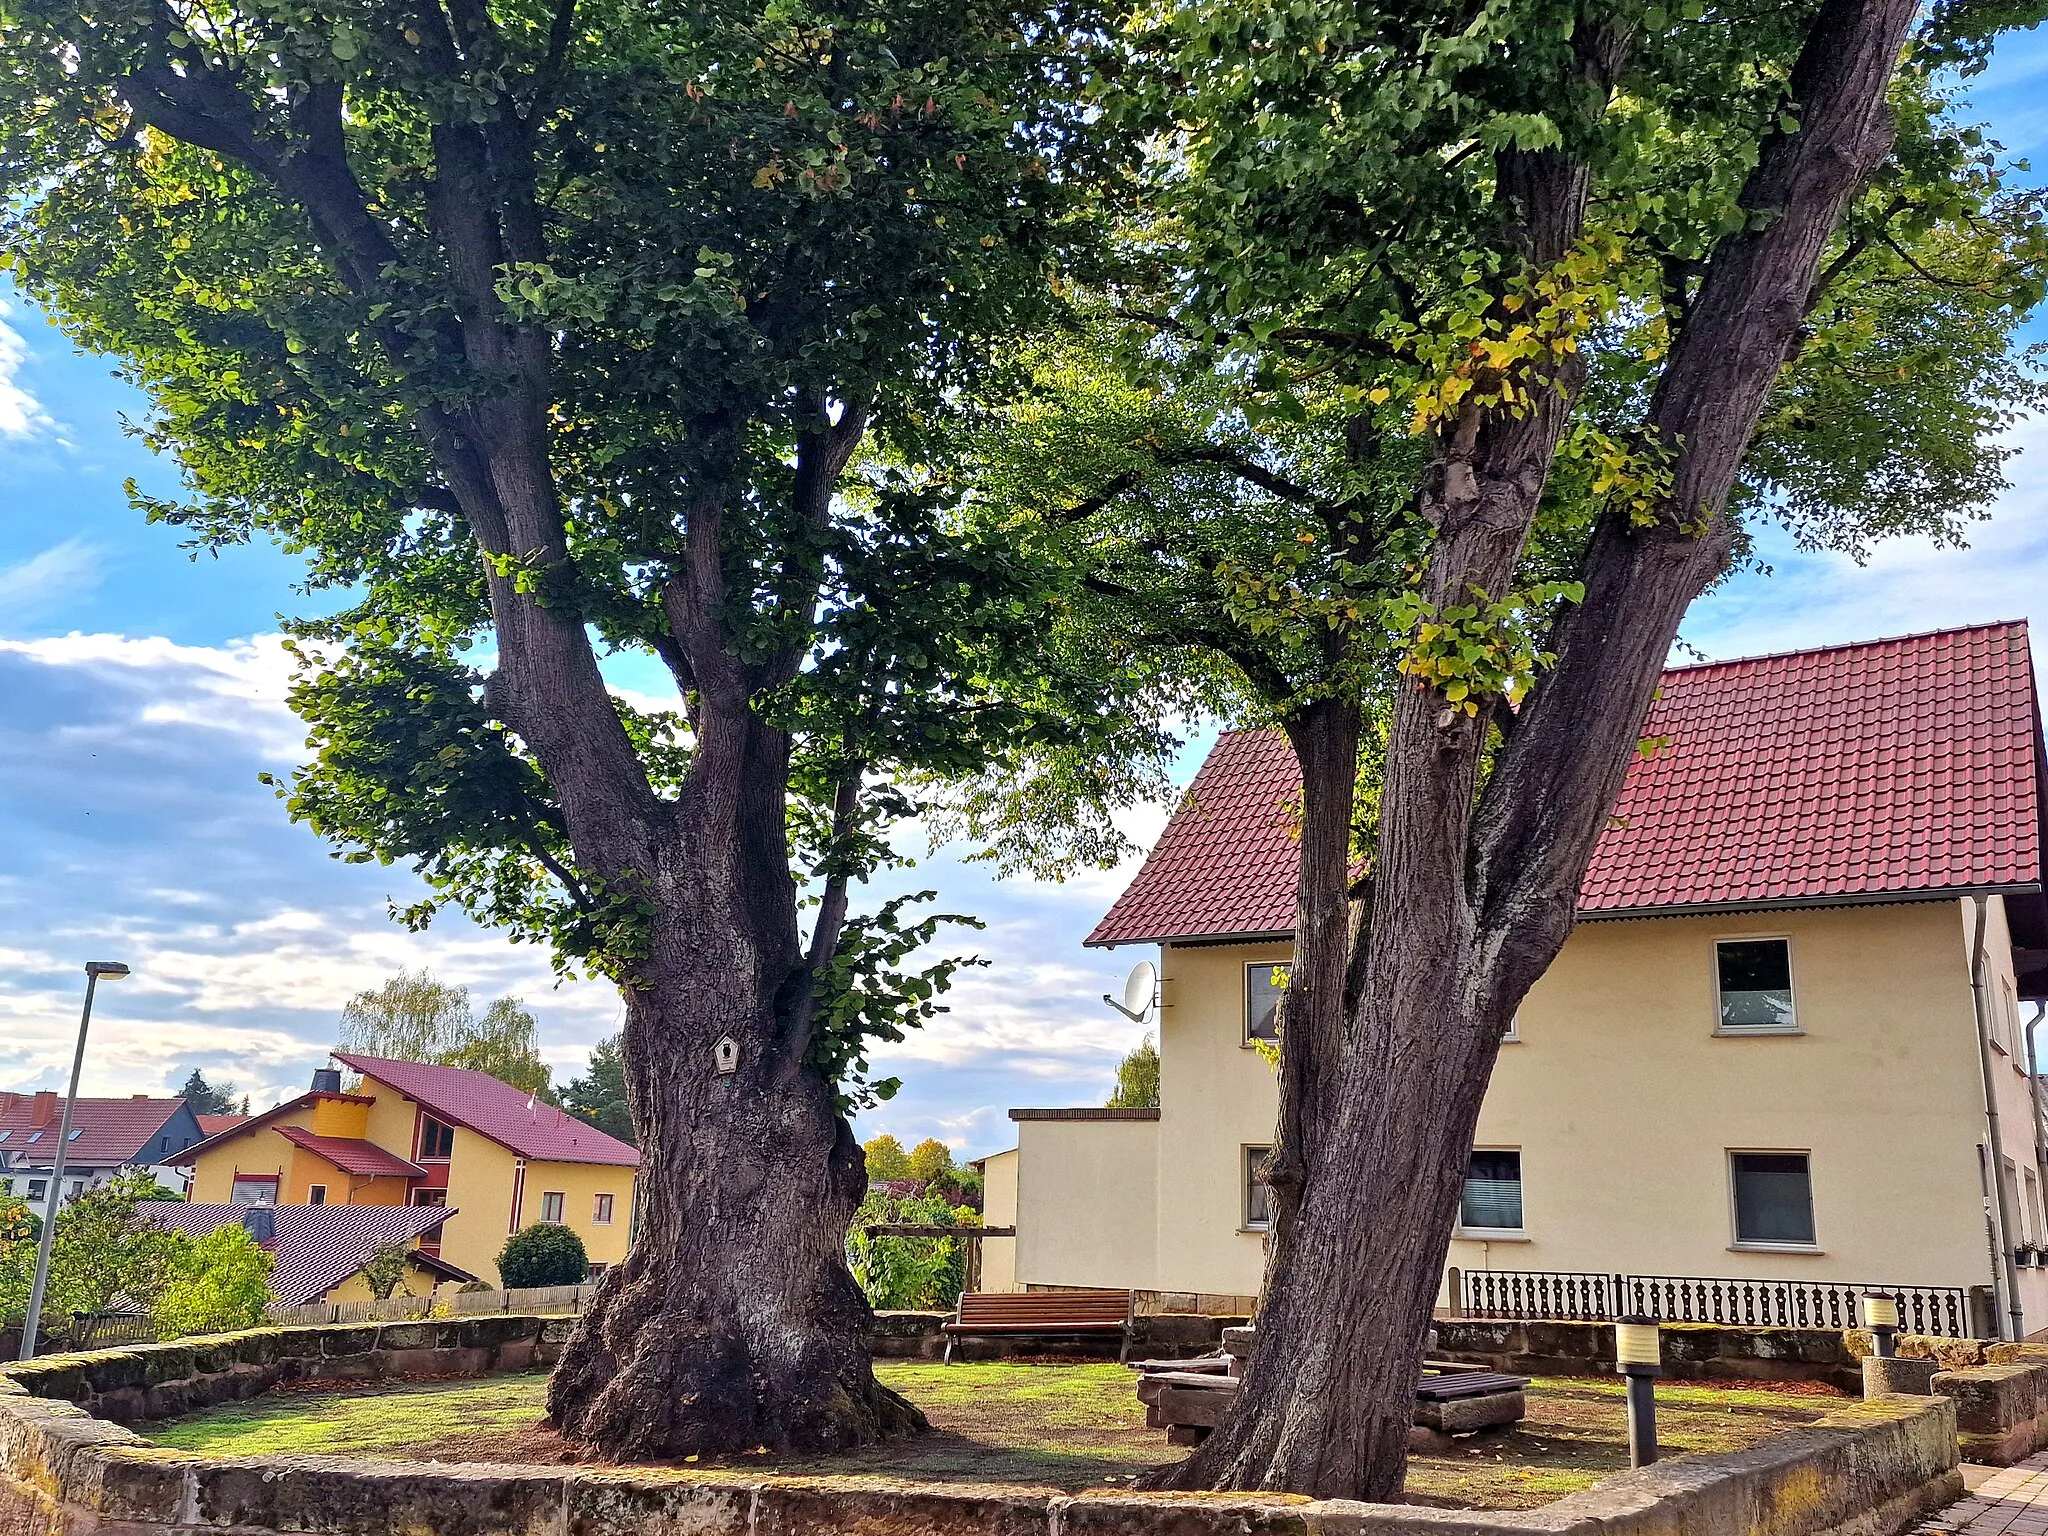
1044,1308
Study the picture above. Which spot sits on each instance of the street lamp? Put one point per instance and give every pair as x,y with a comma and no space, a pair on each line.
1639,1351
1881,1317
113,970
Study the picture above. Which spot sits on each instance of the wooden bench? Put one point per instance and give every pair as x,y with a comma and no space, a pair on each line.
1042,1314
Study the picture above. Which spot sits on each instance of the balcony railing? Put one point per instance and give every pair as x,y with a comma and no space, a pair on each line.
1574,1296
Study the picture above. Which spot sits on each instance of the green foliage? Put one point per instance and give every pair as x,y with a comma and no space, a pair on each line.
917,1273
754,224
598,1097
385,1271
886,1158
213,1284
1137,1078
413,1017
204,1098
931,1160
545,1253
102,1249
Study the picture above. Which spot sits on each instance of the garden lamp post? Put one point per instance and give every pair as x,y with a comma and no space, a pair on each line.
113,970
1881,1317
1640,1354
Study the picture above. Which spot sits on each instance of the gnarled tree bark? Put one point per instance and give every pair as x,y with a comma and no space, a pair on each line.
1468,907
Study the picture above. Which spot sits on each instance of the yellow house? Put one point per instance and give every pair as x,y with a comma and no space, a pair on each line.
411,1134
1780,1059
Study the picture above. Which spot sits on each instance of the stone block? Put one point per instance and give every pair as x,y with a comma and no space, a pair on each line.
1912,1378
431,1362
491,1330
110,1370
57,1376
556,1330
260,1346
515,1356
1167,1514
1240,1341
1467,1415
346,1340
647,1503
362,1367
347,1497
166,1400
408,1336
1177,1331
887,1507
143,1483
1998,1411
164,1362
1566,1341
1464,1335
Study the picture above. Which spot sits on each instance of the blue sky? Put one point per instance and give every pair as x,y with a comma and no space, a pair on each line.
141,692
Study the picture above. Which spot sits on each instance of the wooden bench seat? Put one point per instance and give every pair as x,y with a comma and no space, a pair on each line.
1042,1314
1449,1399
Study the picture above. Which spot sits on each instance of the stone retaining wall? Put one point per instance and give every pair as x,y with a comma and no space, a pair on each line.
1159,1336
2001,1410
1868,1470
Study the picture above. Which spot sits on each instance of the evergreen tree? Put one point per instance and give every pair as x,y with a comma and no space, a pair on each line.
598,1097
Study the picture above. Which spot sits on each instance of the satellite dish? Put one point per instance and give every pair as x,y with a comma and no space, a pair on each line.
1138,991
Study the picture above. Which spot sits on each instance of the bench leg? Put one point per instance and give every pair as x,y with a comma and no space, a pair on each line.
947,1358
1123,1353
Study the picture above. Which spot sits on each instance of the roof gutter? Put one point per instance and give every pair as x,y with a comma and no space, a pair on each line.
1625,914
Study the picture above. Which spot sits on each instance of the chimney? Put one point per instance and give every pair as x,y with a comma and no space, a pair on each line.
140,1098
261,1222
8,1101
327,1080
43,1109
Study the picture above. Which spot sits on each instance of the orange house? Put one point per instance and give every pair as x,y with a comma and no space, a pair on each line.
415,1134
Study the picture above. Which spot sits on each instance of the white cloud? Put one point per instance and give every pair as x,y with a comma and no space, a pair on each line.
21,414
238,688
55,577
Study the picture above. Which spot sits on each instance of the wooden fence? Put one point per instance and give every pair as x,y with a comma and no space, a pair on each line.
565,1300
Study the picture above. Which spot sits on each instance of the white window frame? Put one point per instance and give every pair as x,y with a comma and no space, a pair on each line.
1791,974
1736,1242
1244,1013
1495,1234
561,1201
1244,1188
606,1202
310,1188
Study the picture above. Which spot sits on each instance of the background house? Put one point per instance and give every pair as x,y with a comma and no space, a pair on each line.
107,1135
1764,1053
318,1252
407,1134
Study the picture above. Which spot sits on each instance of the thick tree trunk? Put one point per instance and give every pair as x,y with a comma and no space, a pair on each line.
734,1322
1468,910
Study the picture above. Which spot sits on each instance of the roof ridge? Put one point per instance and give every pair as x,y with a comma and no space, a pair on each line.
1848,645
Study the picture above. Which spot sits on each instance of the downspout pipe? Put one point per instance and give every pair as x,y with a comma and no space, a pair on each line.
2007,1275
2034,1104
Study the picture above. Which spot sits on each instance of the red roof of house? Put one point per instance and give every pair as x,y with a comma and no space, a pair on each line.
238,1125
352,1155
316,1247
213,1125
106,1133
1910,766
507,1115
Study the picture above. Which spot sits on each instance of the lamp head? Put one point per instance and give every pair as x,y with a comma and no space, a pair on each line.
112,970
1879,1311
1636,1342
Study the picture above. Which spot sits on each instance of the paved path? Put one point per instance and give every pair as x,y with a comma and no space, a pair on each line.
2011,1502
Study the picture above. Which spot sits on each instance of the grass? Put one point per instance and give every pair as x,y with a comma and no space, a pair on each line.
1060,1426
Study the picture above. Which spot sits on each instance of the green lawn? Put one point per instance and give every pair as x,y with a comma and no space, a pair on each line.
1061,1426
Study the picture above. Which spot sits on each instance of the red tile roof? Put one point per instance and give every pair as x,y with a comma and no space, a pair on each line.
106,1132
1896,767
213,1125
316,1247
352,1155
507,1115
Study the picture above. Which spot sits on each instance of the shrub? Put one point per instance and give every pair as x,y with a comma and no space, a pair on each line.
471,1287
908,1272
213,1284
546,1253
385,1271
